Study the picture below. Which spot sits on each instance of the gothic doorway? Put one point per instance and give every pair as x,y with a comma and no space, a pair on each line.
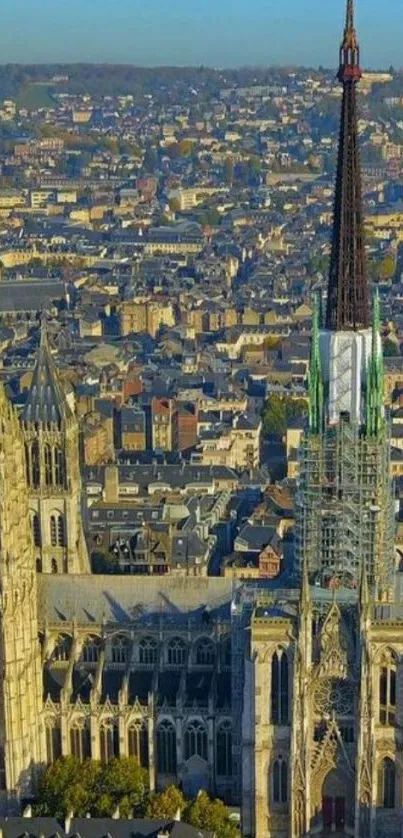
337,803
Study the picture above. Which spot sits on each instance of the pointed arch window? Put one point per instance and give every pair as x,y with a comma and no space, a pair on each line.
280,781
62,649
387,781
60,467
137,736
35,464
53,743
120,650
205,652
166,748
80,741
53,530
61,531
224,749
148,651
387,691
48,465
36,529
279,688
90,652
176,652
109,742
196,740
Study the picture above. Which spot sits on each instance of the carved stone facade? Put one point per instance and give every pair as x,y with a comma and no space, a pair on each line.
51,439
21,740
323,726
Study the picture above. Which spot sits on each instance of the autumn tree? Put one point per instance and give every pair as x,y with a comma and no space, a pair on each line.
210,815
165,804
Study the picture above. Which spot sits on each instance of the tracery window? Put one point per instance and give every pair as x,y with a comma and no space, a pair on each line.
166,748
137,736
224,749
62,649
35,465
205,652
196,740
90,652
387,781
60,467
176,652
279,688
280,781
48,465
387,691
109,741
148,651
53,743
120,650
80,741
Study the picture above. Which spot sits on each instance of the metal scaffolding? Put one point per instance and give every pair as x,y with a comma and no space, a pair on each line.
345,506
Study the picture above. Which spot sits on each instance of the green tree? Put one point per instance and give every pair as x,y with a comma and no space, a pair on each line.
387,268
121,782
165,804
210,815
279,411
69,785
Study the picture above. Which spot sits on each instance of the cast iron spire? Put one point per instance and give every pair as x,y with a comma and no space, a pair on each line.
348,298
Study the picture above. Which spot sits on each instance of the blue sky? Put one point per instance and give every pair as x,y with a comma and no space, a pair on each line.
219,33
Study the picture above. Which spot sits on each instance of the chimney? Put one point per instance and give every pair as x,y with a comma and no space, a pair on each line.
111,488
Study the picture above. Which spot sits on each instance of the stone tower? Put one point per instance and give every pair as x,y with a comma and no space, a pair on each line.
53,471
21,745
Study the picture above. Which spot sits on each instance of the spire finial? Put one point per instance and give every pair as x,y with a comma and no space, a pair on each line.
350,15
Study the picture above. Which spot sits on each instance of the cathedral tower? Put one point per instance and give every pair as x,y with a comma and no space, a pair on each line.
52,452
21,746
344,507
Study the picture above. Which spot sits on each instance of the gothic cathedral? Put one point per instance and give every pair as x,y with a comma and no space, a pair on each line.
287,702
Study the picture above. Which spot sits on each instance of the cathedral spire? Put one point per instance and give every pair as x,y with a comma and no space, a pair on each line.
46,403
348,297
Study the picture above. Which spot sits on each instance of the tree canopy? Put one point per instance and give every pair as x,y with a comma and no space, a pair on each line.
69,785
166,804
279,411
210,815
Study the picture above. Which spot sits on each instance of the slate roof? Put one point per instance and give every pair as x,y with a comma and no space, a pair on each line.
121,599
46,402
96,828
